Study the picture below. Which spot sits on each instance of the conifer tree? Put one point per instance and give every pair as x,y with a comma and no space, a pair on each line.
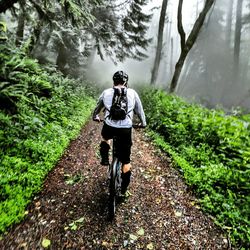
123,35
135,29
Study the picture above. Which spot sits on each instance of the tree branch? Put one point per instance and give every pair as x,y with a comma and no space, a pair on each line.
198,24
180,26
189,43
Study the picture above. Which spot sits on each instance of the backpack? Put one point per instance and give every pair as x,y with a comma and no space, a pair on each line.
119,107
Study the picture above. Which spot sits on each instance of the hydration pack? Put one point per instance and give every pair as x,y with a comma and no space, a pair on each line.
119,108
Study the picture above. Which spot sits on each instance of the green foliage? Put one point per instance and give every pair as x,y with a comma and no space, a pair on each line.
44,112
212,150
3,30
21,78
79,13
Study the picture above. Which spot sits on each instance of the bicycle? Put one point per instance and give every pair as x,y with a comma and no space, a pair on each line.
115,178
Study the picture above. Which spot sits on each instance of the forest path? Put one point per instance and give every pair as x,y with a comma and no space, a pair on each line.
71,209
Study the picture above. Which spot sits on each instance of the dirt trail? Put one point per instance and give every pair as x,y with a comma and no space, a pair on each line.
71,210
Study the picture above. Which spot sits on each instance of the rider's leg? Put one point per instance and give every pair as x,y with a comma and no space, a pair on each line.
125,152
105,144
104,152
126,167
125,175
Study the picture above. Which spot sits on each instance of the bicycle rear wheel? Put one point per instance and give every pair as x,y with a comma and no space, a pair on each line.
111,203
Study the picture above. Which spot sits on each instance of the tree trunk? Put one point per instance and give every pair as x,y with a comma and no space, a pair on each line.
229,23
180,26
61,60
20,25
171,55
197,9
237,38
159,42
169,50
189,42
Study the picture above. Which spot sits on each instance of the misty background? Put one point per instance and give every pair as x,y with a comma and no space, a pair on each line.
213,73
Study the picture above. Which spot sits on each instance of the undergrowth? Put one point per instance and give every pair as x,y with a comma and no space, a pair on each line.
212,150
40,112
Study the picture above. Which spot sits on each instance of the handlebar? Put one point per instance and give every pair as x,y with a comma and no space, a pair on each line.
135,126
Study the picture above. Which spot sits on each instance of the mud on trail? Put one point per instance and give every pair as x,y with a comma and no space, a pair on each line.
71,210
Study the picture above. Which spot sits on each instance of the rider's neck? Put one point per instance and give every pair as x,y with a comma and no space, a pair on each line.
119,86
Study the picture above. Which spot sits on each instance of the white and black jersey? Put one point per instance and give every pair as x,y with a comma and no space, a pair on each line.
134,105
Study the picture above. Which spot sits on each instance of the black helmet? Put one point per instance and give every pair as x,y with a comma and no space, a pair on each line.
120,77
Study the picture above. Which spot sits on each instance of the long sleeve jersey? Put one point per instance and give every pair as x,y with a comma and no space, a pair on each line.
134,106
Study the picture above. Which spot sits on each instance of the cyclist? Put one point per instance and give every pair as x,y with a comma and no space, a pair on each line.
120,128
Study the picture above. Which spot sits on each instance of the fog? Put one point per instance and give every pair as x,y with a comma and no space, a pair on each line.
216,71
208,75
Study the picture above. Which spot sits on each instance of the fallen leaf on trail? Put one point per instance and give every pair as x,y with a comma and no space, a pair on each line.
46,243
133,237
178,213
80,220
38,205
105,243
140,232
158,201
23,245
125,243
146,176
150,246
192,203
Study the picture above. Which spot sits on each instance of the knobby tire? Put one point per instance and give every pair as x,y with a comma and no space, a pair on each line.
112,191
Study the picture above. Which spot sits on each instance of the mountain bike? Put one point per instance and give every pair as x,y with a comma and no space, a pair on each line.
115,169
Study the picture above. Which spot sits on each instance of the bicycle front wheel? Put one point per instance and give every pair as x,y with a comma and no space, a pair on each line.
113,189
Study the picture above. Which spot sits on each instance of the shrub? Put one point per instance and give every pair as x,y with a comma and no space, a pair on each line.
42,112
213,151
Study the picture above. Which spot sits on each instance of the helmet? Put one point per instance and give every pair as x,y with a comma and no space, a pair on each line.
120,77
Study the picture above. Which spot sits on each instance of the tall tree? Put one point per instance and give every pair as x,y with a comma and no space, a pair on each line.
186,45
237,38
21,23
229,23
133,32
159,42
121,36
61,28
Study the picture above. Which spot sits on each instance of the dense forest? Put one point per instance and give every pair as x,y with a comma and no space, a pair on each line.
193,65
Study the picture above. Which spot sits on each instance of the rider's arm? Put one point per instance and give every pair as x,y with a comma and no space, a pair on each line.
99,107
139,110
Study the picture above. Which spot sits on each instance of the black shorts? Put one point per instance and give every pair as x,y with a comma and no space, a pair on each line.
124,141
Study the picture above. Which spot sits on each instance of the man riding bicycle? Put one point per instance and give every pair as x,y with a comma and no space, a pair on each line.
121,128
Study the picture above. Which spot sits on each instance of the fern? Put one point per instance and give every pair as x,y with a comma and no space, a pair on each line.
45,111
